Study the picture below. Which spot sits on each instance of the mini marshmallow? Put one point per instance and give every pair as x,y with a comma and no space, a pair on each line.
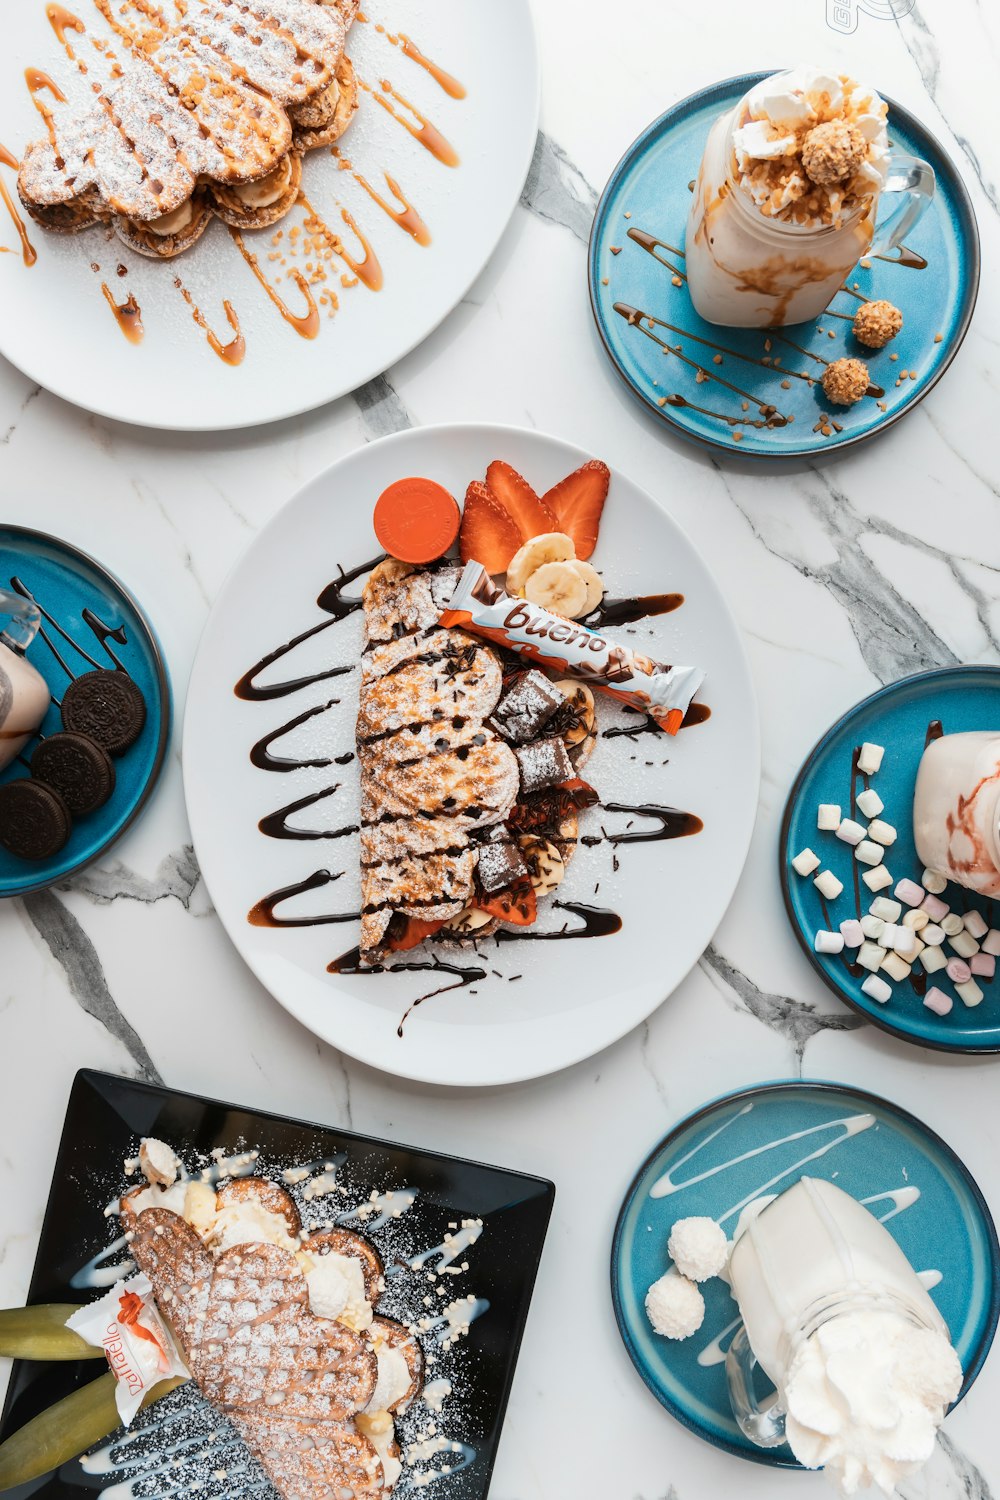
937,1001
933,959
850,832
870,758
828,885
918,948
887,937
933,935
853,933
877,989
883,907
871,956
958,970
991,942
964,944
872,927
881,832
916,919
877,879
805,862
828,817
869,853
911,893
983,965
828,942
934,881
974,924
969,993
897,968
904,941
934,907
951,924
870,803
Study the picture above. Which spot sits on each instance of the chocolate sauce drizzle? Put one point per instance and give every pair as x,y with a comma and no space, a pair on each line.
697,713
263,914
332,602
628,611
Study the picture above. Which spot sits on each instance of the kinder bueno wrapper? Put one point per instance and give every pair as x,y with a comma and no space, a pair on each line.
138,1345
663,692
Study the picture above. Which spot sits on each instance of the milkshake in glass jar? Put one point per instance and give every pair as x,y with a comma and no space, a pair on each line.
956,809
839,1321
786,199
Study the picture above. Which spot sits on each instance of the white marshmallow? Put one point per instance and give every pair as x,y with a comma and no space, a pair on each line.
918,948
870,758
872,927
991,942
852,932
877,989
964,944
871,956
951,924
897,968
904,941
850,832
886,908
916,919
828,817
933,881
805,862
933,959
877,879
969,993
933,935
881,832
828,885
828,942
869,853
973,923
887,937
870,803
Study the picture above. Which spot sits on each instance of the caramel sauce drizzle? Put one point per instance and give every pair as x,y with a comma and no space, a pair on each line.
308,326
28,252
405,216
62,20
423,131
232,353
368,270
873,390
37,81
128,314
409,48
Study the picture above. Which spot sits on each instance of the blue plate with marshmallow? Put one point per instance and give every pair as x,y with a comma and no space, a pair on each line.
916,954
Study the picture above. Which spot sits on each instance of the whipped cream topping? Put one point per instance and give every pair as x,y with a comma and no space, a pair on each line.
337,1289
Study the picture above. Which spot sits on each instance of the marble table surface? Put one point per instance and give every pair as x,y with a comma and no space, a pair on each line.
843,575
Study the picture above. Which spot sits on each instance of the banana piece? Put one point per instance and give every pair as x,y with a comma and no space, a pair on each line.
581,701
545,864
468,921
550,547
595,586
41,1333
555,586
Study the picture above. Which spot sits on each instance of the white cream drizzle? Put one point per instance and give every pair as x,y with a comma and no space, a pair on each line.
452,1246
385,1206
99,1271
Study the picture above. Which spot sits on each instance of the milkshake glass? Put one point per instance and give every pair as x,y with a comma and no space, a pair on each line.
24,694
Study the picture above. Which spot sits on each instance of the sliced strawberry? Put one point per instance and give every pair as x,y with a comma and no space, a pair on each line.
531,516
577,502
488,534
412,935
579,792
518,904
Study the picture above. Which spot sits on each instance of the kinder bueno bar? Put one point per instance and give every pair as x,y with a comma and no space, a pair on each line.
135,1339
662,692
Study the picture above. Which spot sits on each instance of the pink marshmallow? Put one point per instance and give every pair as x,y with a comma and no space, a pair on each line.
853,933
958,970
910,892
991,942
983,964
932,905
937,1001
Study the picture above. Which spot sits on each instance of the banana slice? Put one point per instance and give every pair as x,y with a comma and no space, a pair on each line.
557,587
595,586
581,701
468,921
550,547
545,864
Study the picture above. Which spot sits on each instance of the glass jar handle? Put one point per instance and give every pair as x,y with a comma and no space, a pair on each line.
22,627
762,1422
914,181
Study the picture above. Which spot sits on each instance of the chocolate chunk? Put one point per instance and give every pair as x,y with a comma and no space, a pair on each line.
526,707
79,769
34,820
543,763
107,707
500,863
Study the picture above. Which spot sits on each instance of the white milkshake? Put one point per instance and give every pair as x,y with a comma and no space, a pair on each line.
24,701
956,809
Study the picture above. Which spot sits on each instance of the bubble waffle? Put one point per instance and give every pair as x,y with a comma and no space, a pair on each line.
325,117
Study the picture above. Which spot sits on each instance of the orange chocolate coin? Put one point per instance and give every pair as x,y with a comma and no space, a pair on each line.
416,520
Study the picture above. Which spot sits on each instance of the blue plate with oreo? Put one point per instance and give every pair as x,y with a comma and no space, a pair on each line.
76,648
757,391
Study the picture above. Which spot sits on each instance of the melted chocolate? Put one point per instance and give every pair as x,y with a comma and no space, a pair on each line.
263,914
262,758
674,824
598,921
935,730
628,611
350,963
697,713
275,825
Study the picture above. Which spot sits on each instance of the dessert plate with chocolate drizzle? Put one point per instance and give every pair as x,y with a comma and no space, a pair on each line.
281,808
257,258
758,391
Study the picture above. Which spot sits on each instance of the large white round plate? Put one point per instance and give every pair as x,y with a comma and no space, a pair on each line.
58,328
570,998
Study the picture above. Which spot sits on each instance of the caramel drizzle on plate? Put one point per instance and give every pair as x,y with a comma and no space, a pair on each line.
37,81
406,216
308,326
232,353
128,314
409,48
28,252
369,269
424,130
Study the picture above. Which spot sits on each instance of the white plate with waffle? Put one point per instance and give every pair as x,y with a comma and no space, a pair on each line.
387,229
274,797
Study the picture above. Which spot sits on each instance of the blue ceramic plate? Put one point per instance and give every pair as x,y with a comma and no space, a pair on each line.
648,194
898,717
944,1228
90,621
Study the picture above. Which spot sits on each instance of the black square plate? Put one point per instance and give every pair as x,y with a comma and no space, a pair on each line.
104,1121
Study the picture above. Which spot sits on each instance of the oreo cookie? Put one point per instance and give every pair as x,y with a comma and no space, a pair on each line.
107,707
34,820
79,769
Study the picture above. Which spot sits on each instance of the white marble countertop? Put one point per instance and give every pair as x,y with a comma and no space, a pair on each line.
842,576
